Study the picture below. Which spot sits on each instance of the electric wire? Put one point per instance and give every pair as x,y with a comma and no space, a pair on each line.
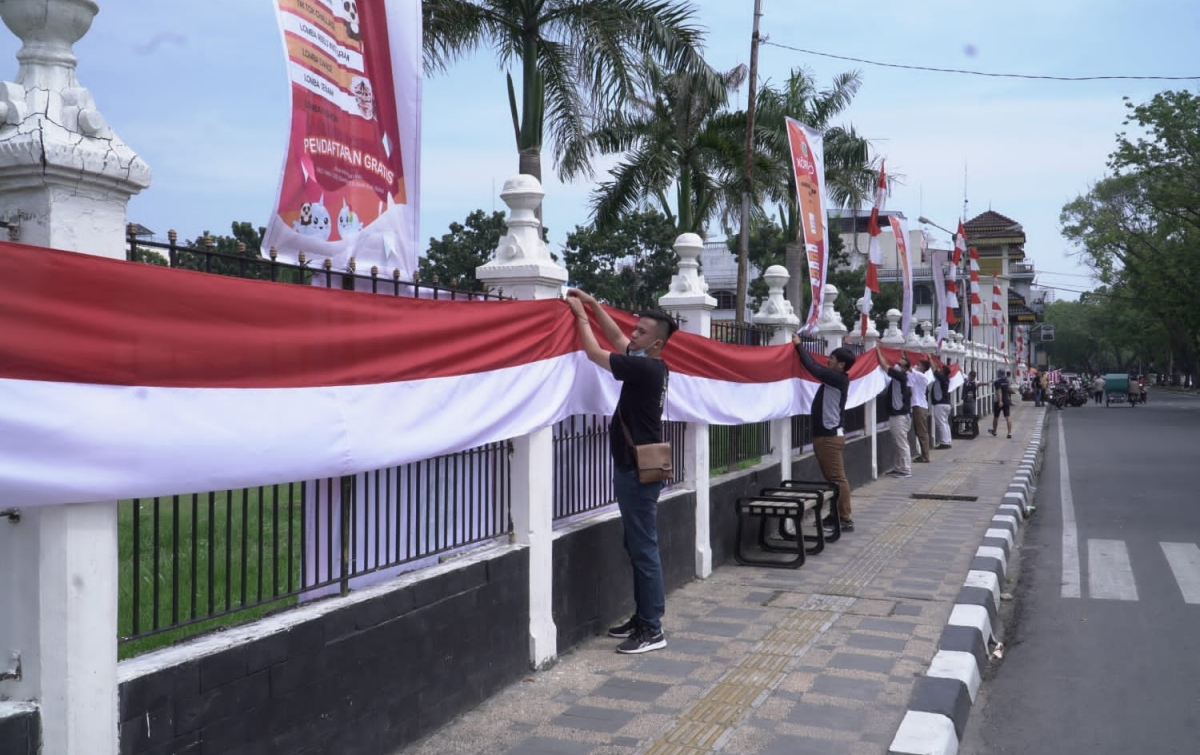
969,72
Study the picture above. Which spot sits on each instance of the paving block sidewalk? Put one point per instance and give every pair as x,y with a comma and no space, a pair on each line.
763,661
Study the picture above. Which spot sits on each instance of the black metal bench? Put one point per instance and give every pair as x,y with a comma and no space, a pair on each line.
783,506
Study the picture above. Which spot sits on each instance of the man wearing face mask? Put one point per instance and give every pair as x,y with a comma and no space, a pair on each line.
643,377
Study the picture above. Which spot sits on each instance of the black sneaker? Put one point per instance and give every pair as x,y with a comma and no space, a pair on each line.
847,525
991,432
625,628
643,641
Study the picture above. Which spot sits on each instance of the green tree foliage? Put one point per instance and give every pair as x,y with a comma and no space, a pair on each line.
577,57
150,257
452,259
629,265
1104,332
677,140
1139,229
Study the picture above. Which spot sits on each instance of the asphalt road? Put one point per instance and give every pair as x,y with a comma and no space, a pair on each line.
1103,637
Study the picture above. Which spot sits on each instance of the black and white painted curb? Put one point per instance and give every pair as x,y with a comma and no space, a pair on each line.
942,700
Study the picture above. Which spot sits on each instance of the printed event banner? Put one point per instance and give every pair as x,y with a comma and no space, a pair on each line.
808,161
351,175
167,393
904,257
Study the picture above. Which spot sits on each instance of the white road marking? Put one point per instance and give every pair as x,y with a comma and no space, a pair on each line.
1184,559
1070,541
1110,576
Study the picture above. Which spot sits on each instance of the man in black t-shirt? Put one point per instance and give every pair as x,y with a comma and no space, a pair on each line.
899,411
1001,402
827,416
643,377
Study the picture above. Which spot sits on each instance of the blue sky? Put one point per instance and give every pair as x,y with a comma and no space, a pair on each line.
199,91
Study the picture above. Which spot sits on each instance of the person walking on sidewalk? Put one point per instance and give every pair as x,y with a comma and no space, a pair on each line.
899,411
919,379
940,395
643,377
828,414
1001,402
1098,389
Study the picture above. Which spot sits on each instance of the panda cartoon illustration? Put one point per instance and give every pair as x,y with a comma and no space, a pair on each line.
314,220
347,11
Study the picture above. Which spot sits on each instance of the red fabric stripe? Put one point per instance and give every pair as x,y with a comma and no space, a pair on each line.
79,318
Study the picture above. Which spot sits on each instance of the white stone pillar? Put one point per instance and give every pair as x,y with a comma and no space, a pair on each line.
524,269
892,337
830,324
688,301
871,418
65,182
777,312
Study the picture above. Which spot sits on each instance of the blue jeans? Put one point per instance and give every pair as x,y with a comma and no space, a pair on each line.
638,503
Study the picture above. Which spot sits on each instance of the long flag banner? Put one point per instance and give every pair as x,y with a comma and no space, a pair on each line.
808,162
350,179
122,380
904,256
874,253
937,259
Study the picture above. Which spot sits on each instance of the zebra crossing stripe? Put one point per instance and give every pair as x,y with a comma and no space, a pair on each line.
1184,559
1110,576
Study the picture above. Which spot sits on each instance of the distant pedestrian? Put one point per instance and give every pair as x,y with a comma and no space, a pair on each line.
939,394
643,376
970,396
1098,386
919,379
828,415
1001,402
899,409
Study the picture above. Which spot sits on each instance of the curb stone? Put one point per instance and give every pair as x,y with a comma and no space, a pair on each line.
941,702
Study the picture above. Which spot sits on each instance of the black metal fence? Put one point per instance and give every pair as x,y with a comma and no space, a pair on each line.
583,463
191,562
746,334
248,263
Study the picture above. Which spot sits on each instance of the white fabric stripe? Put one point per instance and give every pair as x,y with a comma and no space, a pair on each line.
1070,539
78,443
1110,576
1184,559
923,733
955,664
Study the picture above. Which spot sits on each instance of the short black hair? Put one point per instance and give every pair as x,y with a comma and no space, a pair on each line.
665,322
843,355
926,363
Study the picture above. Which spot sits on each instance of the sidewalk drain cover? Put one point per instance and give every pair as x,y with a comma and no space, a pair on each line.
940,497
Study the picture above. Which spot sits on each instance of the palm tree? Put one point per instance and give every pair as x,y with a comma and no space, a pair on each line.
673,139
578,57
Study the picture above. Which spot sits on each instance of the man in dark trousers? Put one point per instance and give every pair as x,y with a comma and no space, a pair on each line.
1001,402
828,413
939,395
899,411
643,377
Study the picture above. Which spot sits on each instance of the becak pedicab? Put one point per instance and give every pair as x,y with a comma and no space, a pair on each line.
1119,389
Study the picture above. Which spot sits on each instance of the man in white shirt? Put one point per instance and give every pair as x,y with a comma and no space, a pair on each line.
919,380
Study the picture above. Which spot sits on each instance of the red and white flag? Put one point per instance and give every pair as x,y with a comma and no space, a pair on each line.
126,380
808,163
350,179
976,301
874,253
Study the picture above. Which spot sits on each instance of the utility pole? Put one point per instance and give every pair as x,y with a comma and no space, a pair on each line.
747,176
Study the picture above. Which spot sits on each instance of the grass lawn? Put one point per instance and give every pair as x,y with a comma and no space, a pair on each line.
190,557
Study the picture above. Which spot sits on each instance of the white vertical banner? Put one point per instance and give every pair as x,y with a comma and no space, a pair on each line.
904,255
937,261
350,180
808,163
